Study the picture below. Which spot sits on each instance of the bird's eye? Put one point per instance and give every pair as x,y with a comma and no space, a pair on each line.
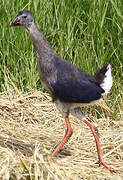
24,16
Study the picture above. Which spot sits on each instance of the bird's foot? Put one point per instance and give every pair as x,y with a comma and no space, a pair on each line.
52,159
58,163
101,163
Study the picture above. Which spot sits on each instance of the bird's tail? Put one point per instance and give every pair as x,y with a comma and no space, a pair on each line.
104,78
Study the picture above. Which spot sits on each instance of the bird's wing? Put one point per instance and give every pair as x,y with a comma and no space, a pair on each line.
74,85
76,91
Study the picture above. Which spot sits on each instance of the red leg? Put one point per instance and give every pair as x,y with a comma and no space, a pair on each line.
65,139
96,136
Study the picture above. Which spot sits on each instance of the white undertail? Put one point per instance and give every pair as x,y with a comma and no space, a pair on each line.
108,80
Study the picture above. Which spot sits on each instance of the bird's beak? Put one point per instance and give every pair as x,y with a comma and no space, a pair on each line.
16,22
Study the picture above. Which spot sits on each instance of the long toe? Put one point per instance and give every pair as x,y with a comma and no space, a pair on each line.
106,166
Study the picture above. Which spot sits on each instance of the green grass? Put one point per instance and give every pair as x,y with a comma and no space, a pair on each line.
86,33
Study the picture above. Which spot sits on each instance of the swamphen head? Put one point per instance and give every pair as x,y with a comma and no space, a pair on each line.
24,18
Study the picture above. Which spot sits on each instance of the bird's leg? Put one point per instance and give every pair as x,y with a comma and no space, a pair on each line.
65,139
96,136
78,113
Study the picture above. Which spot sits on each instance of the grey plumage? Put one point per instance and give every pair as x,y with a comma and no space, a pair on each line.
55,72
60,78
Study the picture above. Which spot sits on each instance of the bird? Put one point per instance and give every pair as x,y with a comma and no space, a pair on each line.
70,87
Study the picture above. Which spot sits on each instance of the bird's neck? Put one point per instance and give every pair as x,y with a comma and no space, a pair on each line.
40,42
43,52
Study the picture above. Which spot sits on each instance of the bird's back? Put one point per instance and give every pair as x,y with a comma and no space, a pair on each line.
71,84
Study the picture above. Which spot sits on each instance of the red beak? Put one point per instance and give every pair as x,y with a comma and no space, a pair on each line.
16,22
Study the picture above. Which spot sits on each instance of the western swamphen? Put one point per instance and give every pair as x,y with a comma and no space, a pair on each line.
69,87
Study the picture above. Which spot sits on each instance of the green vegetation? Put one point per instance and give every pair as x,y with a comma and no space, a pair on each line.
86,32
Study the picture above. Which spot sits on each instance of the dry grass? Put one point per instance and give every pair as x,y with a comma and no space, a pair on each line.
30,127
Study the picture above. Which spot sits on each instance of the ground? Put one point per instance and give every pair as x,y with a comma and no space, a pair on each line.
31,127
